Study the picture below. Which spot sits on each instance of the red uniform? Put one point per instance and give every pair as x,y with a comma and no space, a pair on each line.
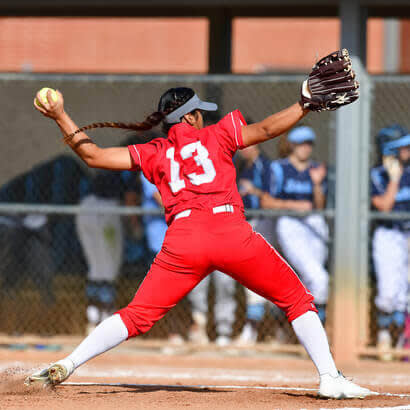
194,173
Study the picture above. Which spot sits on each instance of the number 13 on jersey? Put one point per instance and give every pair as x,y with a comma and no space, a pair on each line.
202,160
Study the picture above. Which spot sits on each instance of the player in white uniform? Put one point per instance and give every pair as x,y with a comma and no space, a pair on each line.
298,183
390,191
101,236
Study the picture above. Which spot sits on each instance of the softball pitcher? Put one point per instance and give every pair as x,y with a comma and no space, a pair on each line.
193,170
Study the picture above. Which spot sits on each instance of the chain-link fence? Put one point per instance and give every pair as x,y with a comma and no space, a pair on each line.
57,277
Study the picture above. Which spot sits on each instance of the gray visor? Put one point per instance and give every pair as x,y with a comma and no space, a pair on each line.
192,104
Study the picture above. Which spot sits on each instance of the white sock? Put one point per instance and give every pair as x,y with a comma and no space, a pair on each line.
108,334
312,335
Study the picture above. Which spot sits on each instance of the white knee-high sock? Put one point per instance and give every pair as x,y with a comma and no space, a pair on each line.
312,335
108,334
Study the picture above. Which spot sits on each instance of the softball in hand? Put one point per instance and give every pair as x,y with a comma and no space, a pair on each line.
42,96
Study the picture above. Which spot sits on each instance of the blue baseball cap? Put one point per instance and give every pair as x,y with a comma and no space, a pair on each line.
302,134
390,148
392,137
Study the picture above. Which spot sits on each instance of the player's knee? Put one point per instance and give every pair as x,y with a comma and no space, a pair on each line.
138,320
300,306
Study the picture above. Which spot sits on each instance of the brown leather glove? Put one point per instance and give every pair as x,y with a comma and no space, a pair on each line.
331,83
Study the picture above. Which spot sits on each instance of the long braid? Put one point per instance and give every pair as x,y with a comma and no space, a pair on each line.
150,122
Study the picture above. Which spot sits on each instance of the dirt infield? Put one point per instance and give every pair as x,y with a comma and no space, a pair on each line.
129,378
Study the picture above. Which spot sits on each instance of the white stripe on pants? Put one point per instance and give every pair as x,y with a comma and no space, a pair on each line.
266,227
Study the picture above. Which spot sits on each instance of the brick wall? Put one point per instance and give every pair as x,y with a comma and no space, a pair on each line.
119,45
132,45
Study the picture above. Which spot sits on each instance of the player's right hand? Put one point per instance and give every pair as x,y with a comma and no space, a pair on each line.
51,109
393,167
318,174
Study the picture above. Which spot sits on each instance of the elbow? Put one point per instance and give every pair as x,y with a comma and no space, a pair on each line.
88,160
264,132
92,158
268,133
383,206
91,162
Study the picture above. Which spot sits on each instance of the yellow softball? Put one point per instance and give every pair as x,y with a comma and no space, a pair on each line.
42,95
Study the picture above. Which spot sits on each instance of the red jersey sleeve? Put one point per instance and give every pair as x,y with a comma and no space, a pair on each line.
144,156
230,131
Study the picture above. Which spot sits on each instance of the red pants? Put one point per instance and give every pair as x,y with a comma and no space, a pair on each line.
201,243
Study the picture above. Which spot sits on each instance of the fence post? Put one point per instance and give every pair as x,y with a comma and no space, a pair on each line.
363,293
351,224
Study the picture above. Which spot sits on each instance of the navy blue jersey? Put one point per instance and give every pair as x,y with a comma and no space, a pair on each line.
286,182
258,174
380,179
112,184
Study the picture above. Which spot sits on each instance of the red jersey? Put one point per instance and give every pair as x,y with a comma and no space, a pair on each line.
193,169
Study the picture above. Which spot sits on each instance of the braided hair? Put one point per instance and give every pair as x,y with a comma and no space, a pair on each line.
169,102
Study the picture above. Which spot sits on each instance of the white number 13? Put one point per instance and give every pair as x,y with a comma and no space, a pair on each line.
202,160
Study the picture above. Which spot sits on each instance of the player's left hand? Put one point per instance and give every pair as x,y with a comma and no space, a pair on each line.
331,83
50,108
318,174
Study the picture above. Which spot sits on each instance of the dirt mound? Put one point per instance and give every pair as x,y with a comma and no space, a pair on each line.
12,383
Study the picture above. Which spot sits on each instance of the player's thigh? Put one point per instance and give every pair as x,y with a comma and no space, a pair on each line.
259,267
389,253
291,232
164,288
293,239
174,272
319,235
159,292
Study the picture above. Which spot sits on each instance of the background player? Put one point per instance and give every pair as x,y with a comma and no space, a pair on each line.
224,309
101,236
298,183
194,173
390,191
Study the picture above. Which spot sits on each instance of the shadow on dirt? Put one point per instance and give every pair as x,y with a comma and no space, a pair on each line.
135,388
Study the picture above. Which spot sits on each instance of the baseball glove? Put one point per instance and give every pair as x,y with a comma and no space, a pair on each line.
331,83
393,168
